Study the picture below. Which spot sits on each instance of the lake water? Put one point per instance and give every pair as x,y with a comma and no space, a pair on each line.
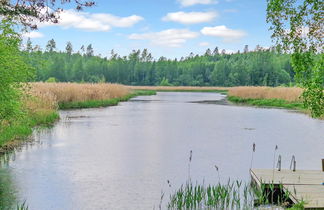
121,157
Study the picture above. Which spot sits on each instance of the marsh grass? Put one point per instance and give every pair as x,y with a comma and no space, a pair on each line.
289,94
284,97
103,103
73,95
232,195
197,196
72,92
42,100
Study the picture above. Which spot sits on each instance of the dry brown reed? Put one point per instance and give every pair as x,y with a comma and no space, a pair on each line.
48,95
176,88
291,94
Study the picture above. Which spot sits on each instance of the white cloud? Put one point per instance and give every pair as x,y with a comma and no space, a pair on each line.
204,44
187,3
167,38
33,34
92,22
222,31
190,17
117,21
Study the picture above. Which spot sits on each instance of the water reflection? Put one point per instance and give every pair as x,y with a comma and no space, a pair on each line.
8,189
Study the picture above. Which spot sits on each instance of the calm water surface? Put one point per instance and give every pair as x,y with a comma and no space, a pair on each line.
121,157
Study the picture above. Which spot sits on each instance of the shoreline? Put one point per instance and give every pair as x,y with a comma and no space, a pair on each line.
19,133
103,103
14,136
267,103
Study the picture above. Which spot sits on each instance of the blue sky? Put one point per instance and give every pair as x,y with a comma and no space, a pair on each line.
170,28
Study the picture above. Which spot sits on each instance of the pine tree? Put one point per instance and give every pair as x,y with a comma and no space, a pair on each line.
216,51
208,52
29,45
51,45
89,52
69,48
246,49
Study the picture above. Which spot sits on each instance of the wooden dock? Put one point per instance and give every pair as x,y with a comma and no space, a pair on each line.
304,185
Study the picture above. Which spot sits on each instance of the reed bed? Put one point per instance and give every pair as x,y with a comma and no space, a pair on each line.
72,92
178,88
290,94
226,196
42,100
232,195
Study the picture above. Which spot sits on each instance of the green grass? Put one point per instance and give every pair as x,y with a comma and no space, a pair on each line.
104,103
22,128
232,195
298,206
22,206
267,102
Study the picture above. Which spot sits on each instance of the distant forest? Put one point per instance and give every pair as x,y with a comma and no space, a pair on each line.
266,67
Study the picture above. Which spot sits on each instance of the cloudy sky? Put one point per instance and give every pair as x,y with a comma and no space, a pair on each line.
171,28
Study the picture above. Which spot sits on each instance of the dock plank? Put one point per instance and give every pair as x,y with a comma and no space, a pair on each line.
313,195
306,185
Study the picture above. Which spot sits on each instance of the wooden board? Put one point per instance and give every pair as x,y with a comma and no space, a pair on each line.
306,185
313,195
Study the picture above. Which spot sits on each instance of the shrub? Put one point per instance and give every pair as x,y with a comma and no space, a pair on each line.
14,71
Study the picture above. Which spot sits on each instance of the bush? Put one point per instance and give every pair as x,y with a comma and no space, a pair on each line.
165,82
51,80
14,71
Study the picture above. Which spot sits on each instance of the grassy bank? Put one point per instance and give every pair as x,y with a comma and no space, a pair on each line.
43,100
282,97
274,102
103,103
12,135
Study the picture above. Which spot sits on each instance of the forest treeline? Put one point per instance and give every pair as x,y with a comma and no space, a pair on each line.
264,67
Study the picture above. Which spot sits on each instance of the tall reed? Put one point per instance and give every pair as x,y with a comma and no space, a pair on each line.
71,92
291,94
231,195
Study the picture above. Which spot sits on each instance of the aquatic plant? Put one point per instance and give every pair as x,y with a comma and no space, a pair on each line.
22,206
253,151
234,194
190,158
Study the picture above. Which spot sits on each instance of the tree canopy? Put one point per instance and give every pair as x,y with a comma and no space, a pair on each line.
298,28
259,67
14,70
28,11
